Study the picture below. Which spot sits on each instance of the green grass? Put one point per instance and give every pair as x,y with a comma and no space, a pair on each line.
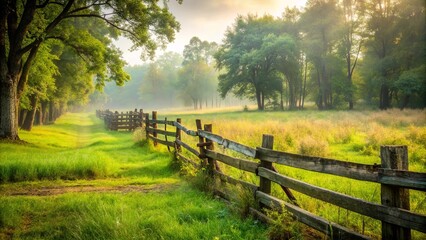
133,191
78,147
183,213
77,151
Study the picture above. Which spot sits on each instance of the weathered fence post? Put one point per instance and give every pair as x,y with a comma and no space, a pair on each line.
165,135
154,126
147,126
178,136
209,145
394,157
201,143
265,184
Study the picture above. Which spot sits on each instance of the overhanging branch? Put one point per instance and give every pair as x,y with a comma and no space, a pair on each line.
104,19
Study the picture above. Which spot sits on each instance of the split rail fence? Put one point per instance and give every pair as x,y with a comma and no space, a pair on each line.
116,121
394,210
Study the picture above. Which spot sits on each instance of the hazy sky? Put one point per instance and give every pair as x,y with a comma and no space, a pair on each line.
208,20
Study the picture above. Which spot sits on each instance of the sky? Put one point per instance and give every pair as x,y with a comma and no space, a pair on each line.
208,20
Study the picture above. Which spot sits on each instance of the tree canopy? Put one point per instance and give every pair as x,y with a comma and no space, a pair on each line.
333,51
27,25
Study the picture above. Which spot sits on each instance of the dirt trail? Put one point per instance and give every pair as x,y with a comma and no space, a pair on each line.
57,190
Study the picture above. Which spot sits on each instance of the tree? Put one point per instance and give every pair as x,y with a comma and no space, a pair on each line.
40,87
197,75
383,33
410,54
249,68
351,43
321,25
26,25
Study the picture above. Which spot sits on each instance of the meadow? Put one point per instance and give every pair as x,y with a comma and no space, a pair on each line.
354,136
75,180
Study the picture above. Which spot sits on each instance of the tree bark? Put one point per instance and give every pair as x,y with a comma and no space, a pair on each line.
8,107
259,100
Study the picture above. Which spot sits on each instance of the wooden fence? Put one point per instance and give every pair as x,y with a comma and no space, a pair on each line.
391,173
116,121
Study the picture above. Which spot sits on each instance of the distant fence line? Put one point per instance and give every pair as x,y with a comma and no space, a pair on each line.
394,210
115,121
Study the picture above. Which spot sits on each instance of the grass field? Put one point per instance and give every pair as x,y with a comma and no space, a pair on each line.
354,136
74,180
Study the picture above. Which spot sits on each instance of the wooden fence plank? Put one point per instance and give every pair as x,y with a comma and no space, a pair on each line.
241,164
402,178
238,147
187,147
235,181
162,132
160,141
260,216
159,121
182,157
395,216
185,130
317,164
319,223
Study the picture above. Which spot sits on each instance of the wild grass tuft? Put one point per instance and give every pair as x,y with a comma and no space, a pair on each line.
139,135
313,147
283,226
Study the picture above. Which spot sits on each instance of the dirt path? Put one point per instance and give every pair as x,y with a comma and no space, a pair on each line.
57,190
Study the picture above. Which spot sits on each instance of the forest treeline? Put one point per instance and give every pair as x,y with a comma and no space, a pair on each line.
335,53
332,53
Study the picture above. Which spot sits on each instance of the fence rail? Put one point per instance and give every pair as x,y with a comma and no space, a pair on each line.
397,220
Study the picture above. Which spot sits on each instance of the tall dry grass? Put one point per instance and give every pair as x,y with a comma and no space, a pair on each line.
350,136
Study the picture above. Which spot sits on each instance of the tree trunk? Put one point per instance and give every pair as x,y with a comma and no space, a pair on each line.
50,112
45,112
304,85
259,100
22,115
384,97
9,107
29,119
282,98
319,101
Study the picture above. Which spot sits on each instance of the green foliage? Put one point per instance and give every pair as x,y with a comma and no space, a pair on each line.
249,54
41,79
